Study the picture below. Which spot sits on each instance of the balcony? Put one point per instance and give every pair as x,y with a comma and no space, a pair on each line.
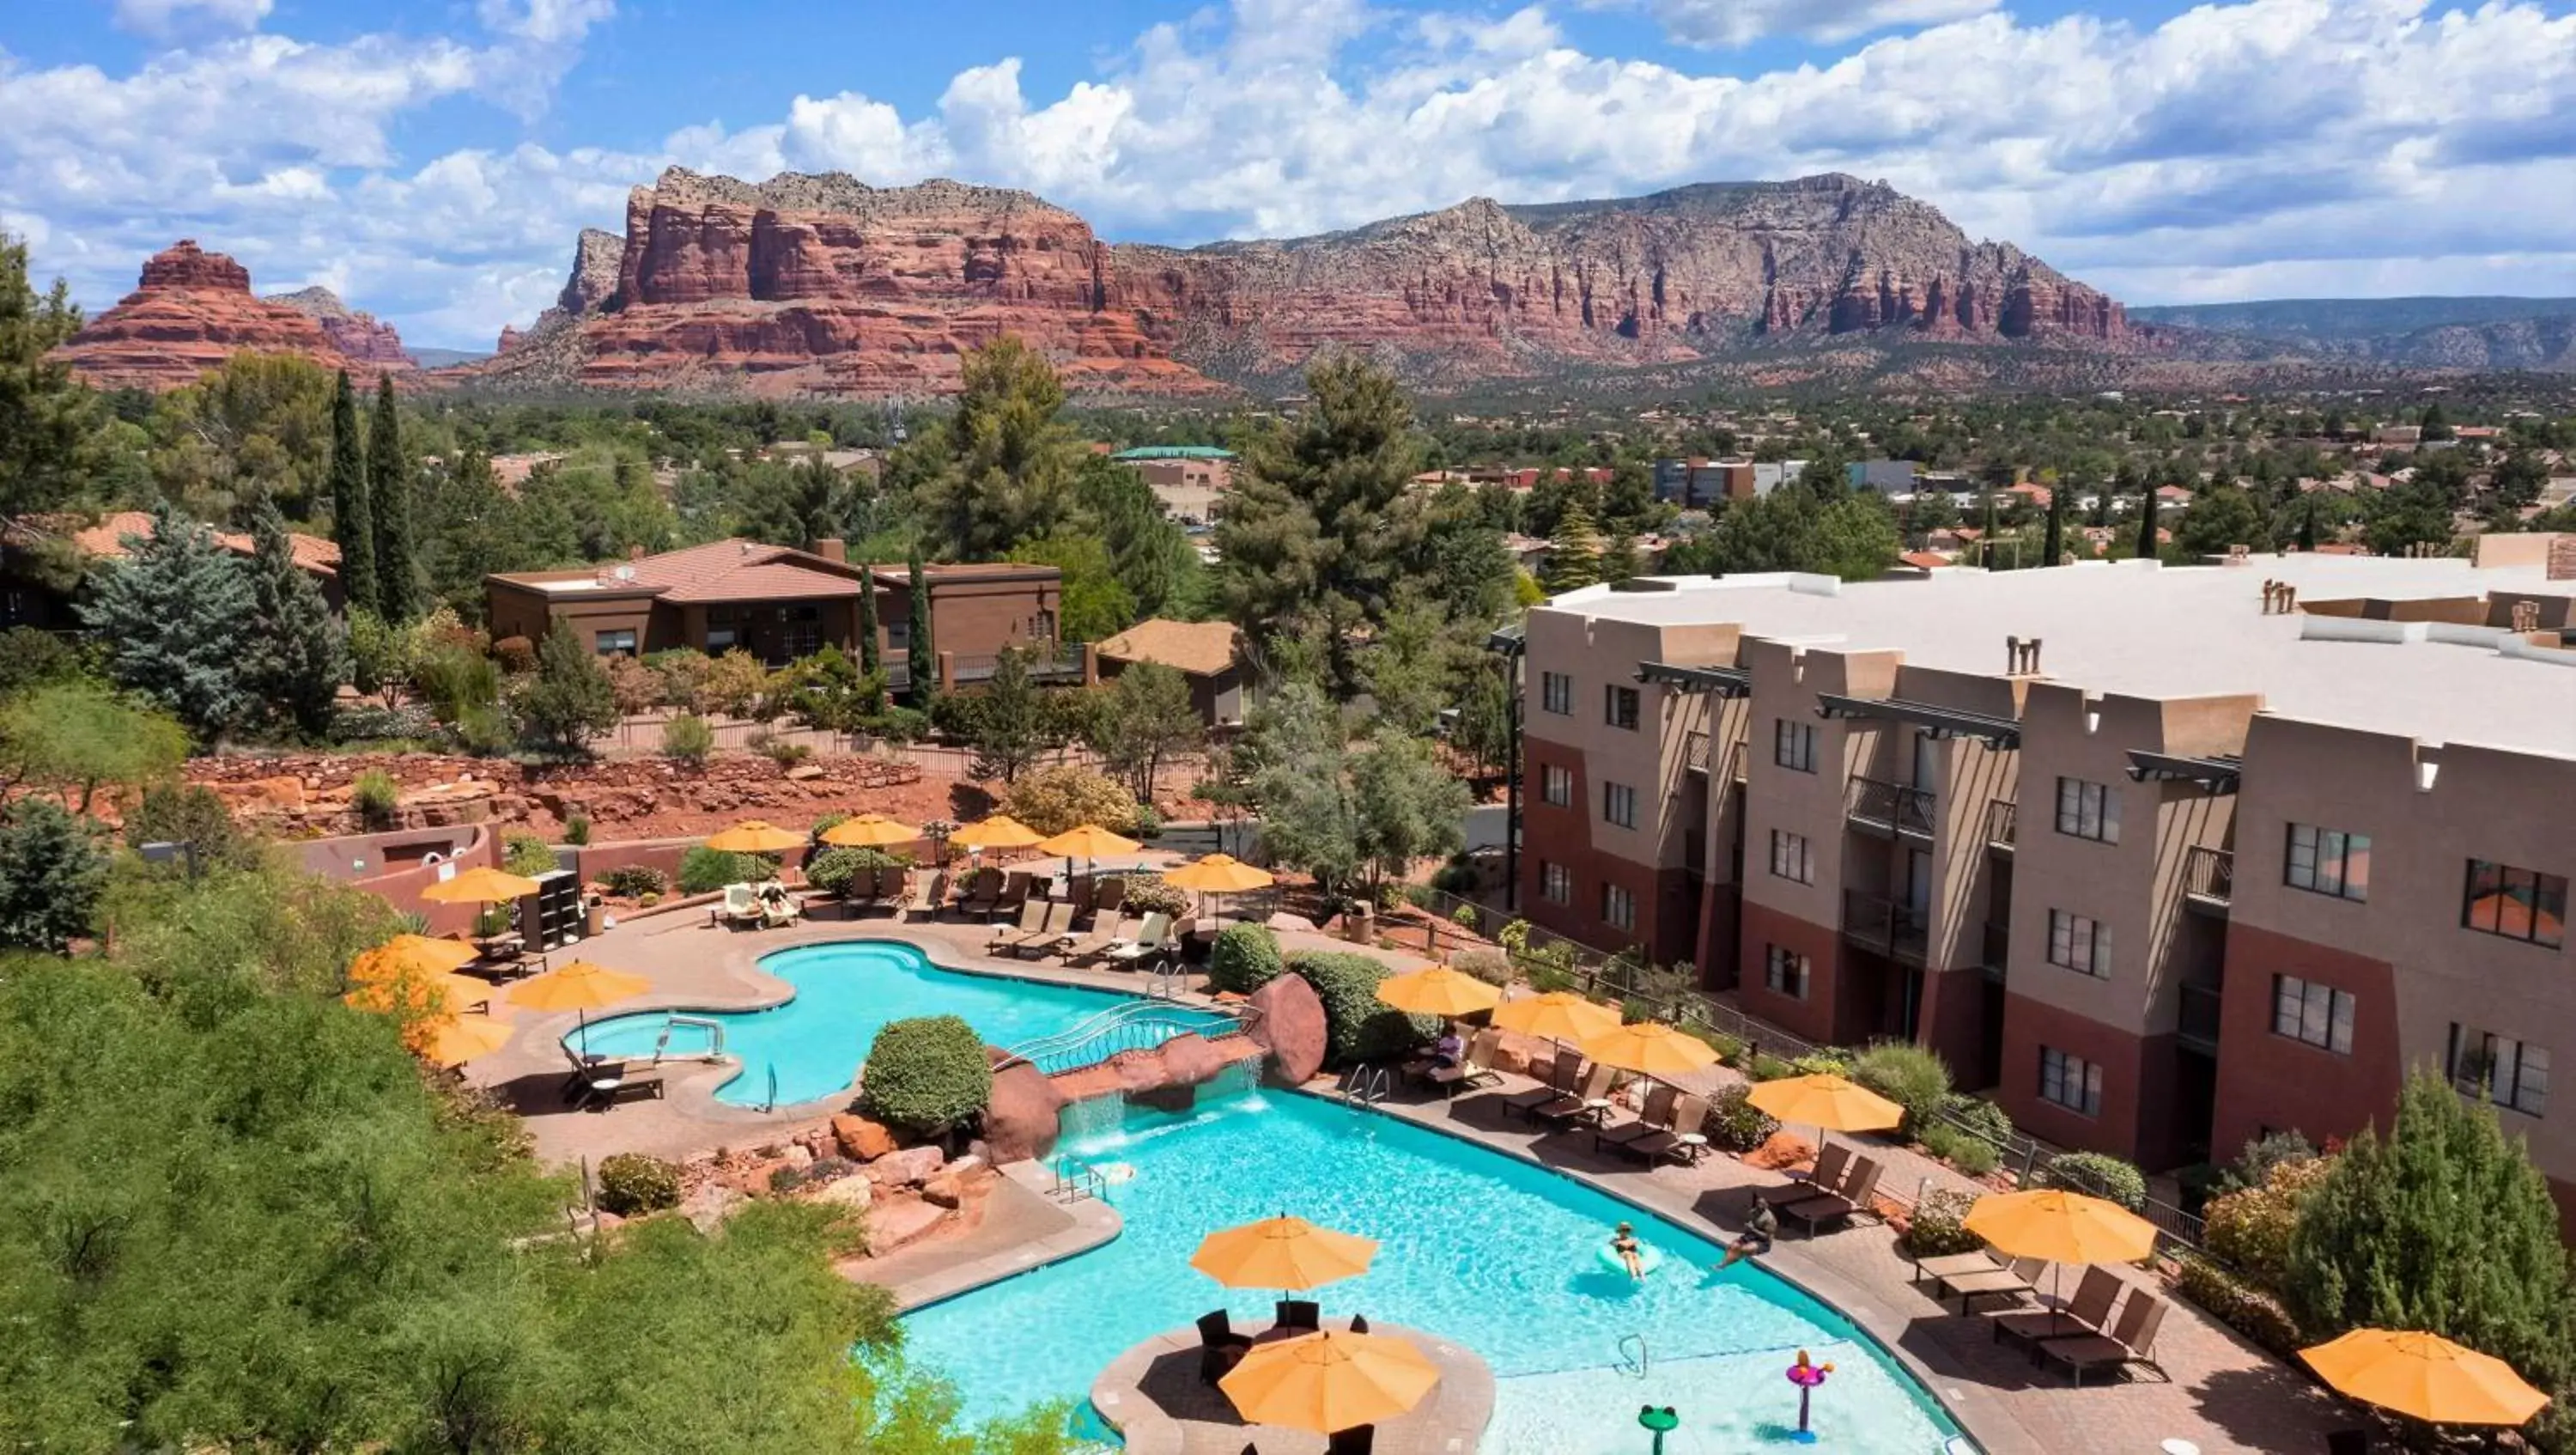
1885,807
2208,879
1895,930
2198,1027
1695,753
1999,825
1997,955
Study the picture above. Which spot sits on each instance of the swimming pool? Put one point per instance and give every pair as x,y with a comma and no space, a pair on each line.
1474,1245
845,992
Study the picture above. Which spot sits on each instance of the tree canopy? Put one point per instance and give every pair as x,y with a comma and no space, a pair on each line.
175,615
46,416
1004,462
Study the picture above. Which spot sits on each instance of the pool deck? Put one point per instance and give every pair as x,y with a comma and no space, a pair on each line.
1152,1395
2224,1394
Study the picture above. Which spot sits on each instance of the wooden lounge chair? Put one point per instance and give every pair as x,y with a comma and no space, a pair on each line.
741,905
1679,1138
1584,1103
894,886
1108,896
2012,1284
981,891
1945,1265
1562,1074
1654,1115
1220,1347
1053,935
2085,1313
1105,933
1836,1207
927,899
1007,938
1017,886
1475,1068
862,892
600,1082
2131,1341
1832,1164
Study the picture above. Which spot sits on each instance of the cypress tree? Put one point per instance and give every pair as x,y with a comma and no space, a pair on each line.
298,655
2054,544
868,655
923,656
2308,525
2147,523
389,497
353,524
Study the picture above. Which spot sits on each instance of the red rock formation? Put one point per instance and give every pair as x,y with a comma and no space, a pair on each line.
192,310
366,341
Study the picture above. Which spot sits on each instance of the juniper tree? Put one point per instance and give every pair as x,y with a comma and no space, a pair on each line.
389,492
175,615
52,872
921,655
298,654
353,522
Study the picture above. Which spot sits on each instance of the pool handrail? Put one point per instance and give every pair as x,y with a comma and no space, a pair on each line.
1116,1026
714,1028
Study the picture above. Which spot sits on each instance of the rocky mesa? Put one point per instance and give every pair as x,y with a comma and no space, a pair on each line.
824,284
191,311
360,335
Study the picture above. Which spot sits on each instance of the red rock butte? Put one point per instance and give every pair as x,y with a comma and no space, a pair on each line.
192,310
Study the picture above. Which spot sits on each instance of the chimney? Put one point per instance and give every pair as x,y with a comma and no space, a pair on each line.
2012,656
833,548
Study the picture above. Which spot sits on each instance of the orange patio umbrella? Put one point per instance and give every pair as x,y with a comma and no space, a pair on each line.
1329,1381
1000,831
1282,1252
869,831
480,886
2426,1377
1650,1048
1087,842
582,987
1559,1015
455,1040
1218,874
444,992
410,955
755,836
2061,1227
1440,991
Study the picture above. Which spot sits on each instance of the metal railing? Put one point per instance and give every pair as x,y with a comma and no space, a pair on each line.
1076,1180
2199,1019
1059,662
1894,806
2209,875
2000,816
1695,752
1366,1085
1888,926
1136,1025
1997,949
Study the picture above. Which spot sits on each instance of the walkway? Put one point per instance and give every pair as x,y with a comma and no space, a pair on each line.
1153,1396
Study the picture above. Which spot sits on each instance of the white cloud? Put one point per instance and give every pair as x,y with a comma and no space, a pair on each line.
1742,22
162,17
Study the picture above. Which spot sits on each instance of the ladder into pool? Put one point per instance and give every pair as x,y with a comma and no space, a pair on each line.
1366,1085
1076,1180
715,1048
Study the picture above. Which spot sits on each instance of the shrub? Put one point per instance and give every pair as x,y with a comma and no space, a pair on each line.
2253,1167
192,814
1245,958
1979,1115
577,830
1767,1067
1051,800
832,870
734,684
1727,1047
632,1183
1908,1075
786,1179
926,1075
1491,966
688,738
2239,1305
1148,823
897,725
1735,1124
526,855
1966,1151
829,1169
515,654
2100,1174
2251,1228
376,798
634,686
1458,876
483,730
1938,1228
634,881
1821,1063
777,749
369,722
1358,1025
1153,896
680,674
703,871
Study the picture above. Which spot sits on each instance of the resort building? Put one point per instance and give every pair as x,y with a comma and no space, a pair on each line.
2166,857
1207,654
1189,480
45,561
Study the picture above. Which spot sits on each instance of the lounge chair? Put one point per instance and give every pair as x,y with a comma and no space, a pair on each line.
2012,1284
1053,935
1108,896
1475,1068
1680,1139
741,905
1220,1347
1007,938
1562,1076
1655,1115
1017,887
861,892
894,886
1836,1207
2131,1341
1153,939
1300,1313
2085,1313
980,892
932,894
778,907
1582,1104
1104,934
600,1082
1827,1176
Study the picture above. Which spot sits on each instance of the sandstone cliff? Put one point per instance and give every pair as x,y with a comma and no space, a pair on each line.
191,311
360,336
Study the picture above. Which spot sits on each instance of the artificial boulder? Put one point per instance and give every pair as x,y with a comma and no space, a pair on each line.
1025,1114
1291,1027
1188,1060
861,1140
908,1168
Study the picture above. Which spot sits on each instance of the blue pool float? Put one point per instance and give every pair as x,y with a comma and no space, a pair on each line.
1647,1259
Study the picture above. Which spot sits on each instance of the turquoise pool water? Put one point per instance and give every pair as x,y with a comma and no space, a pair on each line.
844,993
1476,1247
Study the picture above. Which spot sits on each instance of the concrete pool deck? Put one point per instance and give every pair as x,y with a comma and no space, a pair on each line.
1152,1396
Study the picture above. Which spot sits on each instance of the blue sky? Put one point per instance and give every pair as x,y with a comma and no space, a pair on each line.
433,159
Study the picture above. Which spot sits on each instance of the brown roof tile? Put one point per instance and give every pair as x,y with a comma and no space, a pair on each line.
1199,648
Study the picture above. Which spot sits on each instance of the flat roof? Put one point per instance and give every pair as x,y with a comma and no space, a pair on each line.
2137,629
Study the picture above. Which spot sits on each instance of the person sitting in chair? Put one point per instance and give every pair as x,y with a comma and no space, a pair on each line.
1448,1050
1759,1230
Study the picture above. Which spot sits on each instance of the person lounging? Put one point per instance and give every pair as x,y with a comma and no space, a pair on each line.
1631,1254
1759,1230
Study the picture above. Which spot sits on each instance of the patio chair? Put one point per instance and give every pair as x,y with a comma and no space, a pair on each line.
1832,1164
779,909
1582,1104
1008,937
2131,1341
1017,887
2011,1284
1220,1347
980,892
1839,1207
1680,1138
1655,1115
1153,939
932,894
1475,1068
1560,1079
1104,934
894,886
1108,896
600,1082
1053,935
1300,1313
741,905
2085,1313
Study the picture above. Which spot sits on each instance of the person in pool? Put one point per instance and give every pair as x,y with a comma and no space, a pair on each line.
1631,1254
1759,1230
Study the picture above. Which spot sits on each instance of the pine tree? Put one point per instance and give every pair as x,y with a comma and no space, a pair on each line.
175,616
1010,720
46,441
298,653
389,492
353,523
1574,556
920,653
869,655
52,873
2147,548
570,700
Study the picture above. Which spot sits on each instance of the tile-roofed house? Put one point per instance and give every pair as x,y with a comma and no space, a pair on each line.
1205,652
31,595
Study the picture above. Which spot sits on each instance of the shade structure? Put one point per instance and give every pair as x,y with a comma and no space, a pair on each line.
2061,1227
2426,1377
454,1040
1001,831
1329,1381
1282,1252
1439,991
580,985
1559,1015
480,886
1650,1048
1830,1102
1218,874
405,956
869,831
755,836
443,992
1089,841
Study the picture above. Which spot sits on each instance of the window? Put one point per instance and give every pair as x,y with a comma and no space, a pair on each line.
614,641
2519,904
1556,693
2329,861
1793,745
1556,785
1791,857
2079,943
2511,1073
802,635
1555,884
1618,907
1785,971
2306,1011
1619,804
899,634
721,629
1619,707
2070,1082
2088,810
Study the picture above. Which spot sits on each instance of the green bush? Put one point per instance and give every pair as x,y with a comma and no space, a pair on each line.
1938,1227
1490,966
1966,1151
1153,896
1979,1115
1735,1124
778,750
2100,1174
2250,1228
1907,1074
926,1075
2239,1305
1767,1067
634,881
703,870
376,798
688,738
1826,1062
1358,1025
631,1183
577,830
1244,959
832,870
1458,876
2253,1167
526,855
